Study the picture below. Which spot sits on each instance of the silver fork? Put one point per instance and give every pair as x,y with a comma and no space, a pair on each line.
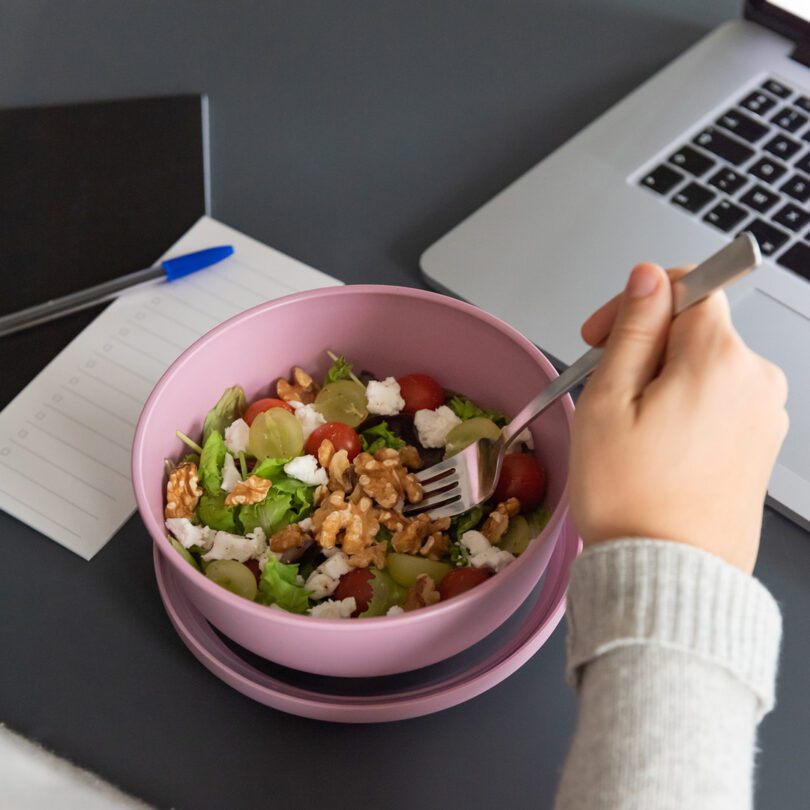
468,478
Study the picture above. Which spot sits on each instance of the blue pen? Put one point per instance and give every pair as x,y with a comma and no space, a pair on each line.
170,270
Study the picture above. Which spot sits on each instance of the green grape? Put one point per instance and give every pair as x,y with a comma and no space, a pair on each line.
184,552
405,568
463,435
233,576
517,537
342,401
276,434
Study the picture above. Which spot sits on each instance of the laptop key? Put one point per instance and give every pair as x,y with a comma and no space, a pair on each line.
725,215
691,161
743,125
797,258
693,197
759,198
770,239
803,103
758,103
728,180
798,187
803,164
767,169
663,179
790,119
791,216
724,146
782,146
772,86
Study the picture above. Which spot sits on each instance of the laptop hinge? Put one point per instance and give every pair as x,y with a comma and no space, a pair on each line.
802,54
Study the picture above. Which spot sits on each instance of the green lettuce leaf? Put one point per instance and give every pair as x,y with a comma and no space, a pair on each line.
213,513
211,461
385,593
230,407
288,501
279,586
465,409
379,436
270,468
459,555
466,521
340,369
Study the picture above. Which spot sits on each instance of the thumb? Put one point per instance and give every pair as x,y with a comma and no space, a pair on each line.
637,340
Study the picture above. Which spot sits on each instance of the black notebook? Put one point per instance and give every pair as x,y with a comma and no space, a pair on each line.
89,192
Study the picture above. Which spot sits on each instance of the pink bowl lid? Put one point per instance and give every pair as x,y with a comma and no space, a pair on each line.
377,700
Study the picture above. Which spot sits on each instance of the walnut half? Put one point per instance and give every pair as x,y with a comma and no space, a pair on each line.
182,491
301,388
497,523
422,594
253,490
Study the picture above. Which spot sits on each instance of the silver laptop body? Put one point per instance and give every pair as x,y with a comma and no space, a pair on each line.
560,241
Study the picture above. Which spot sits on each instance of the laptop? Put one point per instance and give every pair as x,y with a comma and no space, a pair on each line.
716,143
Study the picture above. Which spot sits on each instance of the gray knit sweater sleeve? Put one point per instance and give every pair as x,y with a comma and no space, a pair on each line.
674,655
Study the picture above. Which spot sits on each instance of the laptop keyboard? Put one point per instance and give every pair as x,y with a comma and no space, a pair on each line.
749,171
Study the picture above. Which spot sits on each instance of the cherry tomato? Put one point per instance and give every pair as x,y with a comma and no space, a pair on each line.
420,392
356,583
342,437
262,405
460,580
522,477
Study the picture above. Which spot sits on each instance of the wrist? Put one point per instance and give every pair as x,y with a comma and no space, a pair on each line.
653,592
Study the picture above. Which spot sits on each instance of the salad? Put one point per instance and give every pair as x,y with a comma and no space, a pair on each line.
295,500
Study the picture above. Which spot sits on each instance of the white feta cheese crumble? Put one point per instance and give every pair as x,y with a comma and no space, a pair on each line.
324,579
384,397
306,470
309,418
433,426
336,566
230,475
320,585
188,535
228,546
306,525
334,608
474,542
394,610
483,554
237,435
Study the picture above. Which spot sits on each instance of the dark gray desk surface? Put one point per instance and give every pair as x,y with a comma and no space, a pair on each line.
350,135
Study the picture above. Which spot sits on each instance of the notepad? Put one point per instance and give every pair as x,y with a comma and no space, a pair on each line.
66,439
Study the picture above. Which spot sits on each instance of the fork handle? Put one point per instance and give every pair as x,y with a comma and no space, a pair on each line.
734,261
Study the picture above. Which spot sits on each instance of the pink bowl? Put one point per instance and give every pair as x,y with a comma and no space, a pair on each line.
390,331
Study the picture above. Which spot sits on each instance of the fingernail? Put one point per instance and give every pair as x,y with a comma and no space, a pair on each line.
643,281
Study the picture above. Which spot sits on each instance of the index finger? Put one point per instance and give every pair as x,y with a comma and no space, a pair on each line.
597,327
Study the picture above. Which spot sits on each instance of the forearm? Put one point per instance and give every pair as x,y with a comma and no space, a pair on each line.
674,656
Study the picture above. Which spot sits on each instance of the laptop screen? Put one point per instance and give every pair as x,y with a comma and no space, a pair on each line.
791,18
800,8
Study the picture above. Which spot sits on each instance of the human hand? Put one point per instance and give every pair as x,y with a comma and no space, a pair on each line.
677,430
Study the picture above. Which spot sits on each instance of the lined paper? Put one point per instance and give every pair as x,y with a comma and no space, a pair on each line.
66,439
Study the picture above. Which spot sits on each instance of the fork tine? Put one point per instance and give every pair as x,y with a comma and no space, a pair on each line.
440,468
442,485
436,499
451,509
